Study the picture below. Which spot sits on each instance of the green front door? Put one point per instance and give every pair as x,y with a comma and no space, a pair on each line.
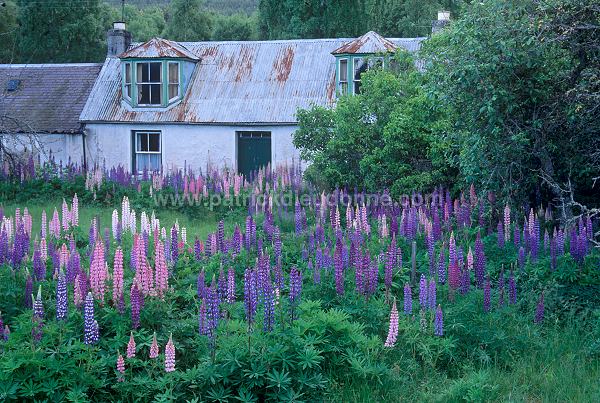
253,152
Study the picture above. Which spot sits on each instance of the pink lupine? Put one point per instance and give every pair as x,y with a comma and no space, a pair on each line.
120,367
66,219
160,264
170,355
118,276
98,274
154,347
507,223
393,331
44,224
43,249
64,256
131,347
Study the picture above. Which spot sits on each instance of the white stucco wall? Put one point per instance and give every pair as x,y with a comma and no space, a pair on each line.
191,145
59,146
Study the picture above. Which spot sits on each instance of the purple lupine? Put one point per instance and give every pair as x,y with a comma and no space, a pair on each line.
201,285
221,236
250,295
269,307
442,268
487,295
91,333
438,324
546,240
203,319
407,299
197,249
339,268
553,258
479,265
212,302
516,236
61,297
500,235
136,305
73,266
431,294
521,258
222,285
423,292
539,310
390,262
512,289
39,267
295,291
174,245
501,288
28,291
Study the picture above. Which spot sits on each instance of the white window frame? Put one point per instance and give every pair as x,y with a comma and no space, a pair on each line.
127,85
136,139
139,84
343,90
171,82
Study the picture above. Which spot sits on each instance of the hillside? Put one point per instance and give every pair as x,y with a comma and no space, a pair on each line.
221,6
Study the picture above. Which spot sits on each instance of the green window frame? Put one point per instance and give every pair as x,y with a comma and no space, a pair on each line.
153,83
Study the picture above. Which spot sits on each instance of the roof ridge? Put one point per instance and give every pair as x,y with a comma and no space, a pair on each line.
40,65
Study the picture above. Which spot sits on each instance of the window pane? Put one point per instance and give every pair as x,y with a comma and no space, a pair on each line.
142,142
360,66
143,94
154,142
154,162
155,72
344,88
357,87
173,90
143,72
155,94
344,70
127,72
174,73
128,90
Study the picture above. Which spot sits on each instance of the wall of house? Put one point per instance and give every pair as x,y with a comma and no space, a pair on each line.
182,145
59,146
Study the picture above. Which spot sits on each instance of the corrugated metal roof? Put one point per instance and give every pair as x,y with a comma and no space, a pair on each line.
371,42
157,48
259,82
49,97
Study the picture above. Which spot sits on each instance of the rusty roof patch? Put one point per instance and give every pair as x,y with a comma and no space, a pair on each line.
371,42
283,64
158,48
244,66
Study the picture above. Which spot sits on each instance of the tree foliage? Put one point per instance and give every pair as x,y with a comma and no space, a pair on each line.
188,20
384,137
56,31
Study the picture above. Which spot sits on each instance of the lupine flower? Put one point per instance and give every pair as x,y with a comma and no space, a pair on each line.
203,319
98,274
454,276
120,368
339,268
407,299
487,295
212,302
507,223
431,294
61,297
118,276
442,268
501,237
38,316
539,310
501,288
162,273
39,266
250,295
512,289
170,355
154,347
438,324
131,346
91,329
521,258
28,291
230,286
269,308
393,331
479,261
174,249
423,292
295,290
136,305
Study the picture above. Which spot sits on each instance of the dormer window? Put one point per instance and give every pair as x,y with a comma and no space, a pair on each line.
354,58
156,73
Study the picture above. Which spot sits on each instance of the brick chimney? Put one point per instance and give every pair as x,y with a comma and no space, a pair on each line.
443,18
118,39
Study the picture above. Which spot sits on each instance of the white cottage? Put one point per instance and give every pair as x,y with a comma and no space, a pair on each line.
164,104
